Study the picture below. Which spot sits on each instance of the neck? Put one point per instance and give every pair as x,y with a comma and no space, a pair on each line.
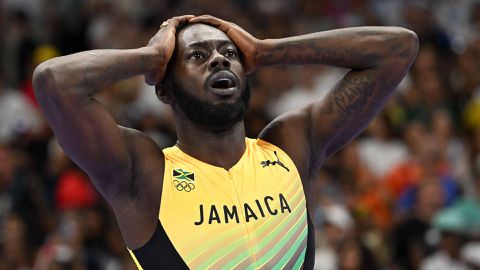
222,149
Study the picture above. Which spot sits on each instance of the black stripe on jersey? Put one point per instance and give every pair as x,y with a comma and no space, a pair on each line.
159,253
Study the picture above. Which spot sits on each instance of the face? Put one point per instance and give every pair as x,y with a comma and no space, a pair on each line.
209,83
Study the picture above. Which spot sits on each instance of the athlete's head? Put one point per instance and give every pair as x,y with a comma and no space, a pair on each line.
205,78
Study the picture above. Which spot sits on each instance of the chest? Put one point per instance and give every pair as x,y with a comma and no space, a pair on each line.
251,216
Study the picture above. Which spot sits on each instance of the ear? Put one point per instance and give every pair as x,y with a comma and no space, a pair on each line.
164,93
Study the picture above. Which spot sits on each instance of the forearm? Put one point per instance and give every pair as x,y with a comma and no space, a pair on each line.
89,71
354,48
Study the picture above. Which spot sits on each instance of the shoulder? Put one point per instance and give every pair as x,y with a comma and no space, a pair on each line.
290,132
140,143
133,134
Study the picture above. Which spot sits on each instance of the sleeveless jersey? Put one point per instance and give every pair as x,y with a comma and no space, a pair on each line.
252,216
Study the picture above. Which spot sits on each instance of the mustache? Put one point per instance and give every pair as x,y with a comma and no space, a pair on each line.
226,72
213,117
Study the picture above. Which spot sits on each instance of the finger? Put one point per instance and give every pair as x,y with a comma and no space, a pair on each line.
205,18
215,22
174,22
208,20
183,18
208,16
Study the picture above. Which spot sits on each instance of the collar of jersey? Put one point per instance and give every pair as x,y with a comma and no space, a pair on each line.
235,167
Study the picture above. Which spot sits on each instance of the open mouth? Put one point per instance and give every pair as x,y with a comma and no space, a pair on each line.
223,83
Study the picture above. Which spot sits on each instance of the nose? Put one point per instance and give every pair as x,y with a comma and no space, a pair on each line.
219,61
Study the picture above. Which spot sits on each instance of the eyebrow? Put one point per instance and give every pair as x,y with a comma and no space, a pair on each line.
220,42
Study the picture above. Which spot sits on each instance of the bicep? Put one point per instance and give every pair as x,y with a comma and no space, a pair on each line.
348,108
316,131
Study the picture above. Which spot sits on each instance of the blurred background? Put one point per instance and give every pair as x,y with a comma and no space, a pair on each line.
403,195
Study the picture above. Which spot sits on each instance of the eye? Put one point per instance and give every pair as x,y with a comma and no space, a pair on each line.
196,55
231,53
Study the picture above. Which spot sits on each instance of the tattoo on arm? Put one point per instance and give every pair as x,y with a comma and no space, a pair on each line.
303,52
378,58
400,50
350,107
354,93
354,48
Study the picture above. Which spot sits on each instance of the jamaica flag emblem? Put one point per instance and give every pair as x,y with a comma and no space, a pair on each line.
183,180
181,174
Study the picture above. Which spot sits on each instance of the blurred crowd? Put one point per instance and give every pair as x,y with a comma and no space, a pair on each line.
403,195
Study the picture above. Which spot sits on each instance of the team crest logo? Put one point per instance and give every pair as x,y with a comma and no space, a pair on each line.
183,180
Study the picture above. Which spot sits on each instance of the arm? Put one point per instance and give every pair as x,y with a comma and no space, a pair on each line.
379,57
65,86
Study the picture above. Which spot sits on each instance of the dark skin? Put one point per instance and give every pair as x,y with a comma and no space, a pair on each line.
196,61
127,167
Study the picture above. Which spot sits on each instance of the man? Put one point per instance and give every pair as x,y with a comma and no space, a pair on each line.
217,199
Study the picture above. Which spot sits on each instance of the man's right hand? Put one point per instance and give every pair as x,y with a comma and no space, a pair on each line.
164,44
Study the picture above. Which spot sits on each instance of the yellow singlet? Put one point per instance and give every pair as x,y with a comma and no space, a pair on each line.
252,216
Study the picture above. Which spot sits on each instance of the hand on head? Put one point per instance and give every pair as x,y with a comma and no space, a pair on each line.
164,42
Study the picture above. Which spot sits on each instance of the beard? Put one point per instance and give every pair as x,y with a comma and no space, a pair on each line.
214,117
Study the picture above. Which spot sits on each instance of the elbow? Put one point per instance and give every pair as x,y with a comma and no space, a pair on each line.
43,78
411,42
400,49
405,47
